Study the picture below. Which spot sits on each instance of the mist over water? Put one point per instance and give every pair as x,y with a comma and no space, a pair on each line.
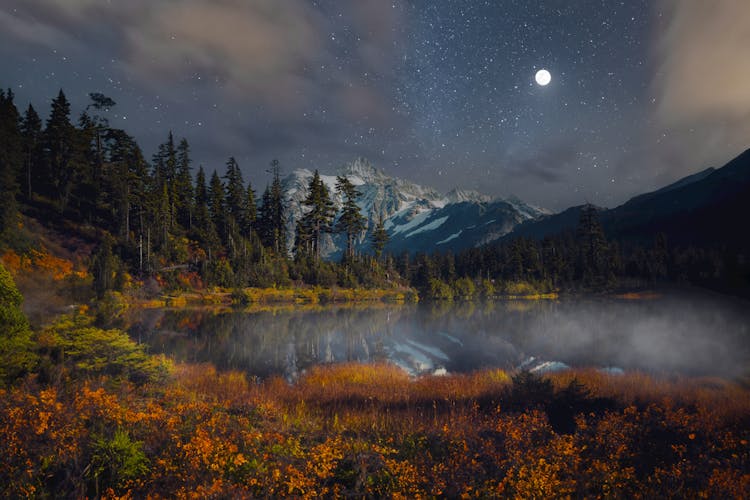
696,334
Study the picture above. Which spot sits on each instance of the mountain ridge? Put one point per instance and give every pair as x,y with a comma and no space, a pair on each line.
417,218
697,209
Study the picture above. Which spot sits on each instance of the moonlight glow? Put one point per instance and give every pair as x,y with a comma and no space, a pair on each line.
543,77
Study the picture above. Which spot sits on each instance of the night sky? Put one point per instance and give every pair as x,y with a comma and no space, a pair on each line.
439,92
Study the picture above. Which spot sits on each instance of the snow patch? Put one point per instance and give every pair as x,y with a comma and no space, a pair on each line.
449,238
428,227
416,221
429,350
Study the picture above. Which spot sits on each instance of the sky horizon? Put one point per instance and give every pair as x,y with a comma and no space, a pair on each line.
442,94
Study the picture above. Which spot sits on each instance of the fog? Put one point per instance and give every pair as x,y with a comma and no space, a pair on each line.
692,334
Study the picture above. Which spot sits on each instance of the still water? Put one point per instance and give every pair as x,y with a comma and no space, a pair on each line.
697,334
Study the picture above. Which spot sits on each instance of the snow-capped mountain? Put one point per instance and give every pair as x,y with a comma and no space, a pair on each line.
417,218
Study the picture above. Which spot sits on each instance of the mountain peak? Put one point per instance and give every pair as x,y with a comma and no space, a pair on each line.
458,195
362,168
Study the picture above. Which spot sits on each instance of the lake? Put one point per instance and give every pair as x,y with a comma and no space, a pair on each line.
685,333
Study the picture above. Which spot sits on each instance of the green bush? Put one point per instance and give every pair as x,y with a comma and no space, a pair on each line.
465,288
439,290
91,351
16,348
116,461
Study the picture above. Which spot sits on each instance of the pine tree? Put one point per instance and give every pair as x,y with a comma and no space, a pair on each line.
278,222
31,131
351,222
251,212
235,195
319,216
165,173
11,160
59,137
129,174
203,224
217,207
103,267
379,239
264,222
183,186
592,244
96,130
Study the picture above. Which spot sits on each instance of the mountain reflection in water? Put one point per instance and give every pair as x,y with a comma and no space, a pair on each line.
683,333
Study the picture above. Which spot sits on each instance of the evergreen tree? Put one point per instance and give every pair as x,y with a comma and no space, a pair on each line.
320,213
251,213
235,196
379,240
31,132
203,223
217,207
104,267
278,222
59,137
593,246
95,182
11,159
96,130
129,174
165,173
351,222
264,222
183,186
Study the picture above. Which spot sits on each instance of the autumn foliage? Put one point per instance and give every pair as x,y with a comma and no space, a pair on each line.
89,413
370,430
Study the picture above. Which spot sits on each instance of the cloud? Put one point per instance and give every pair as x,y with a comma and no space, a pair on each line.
282,55
702,78
549,165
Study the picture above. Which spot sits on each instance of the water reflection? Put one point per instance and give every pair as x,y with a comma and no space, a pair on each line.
693,334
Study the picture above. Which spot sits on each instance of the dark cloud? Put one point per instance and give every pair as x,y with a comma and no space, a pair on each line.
439,92
550,165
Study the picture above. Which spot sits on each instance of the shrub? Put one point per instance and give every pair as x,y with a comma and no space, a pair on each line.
16,349
465,288
439,290
91,351
116,461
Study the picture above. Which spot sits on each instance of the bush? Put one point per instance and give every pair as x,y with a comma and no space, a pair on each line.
465,288
116,461
439,290
16,348
90,351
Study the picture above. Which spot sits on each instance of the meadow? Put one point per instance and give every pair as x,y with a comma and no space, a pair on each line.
372,431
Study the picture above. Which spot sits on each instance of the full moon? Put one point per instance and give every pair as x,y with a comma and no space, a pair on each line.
543,77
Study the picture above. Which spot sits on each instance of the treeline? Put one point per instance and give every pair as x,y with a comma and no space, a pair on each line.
584,260
160,218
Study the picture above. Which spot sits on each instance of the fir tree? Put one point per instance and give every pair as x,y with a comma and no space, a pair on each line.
11,158
264,222
251,212
31,132
217,206
59,137
320,213
104,267
203,223
351,222
593,246
278,222
379,239
183,186
235,195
